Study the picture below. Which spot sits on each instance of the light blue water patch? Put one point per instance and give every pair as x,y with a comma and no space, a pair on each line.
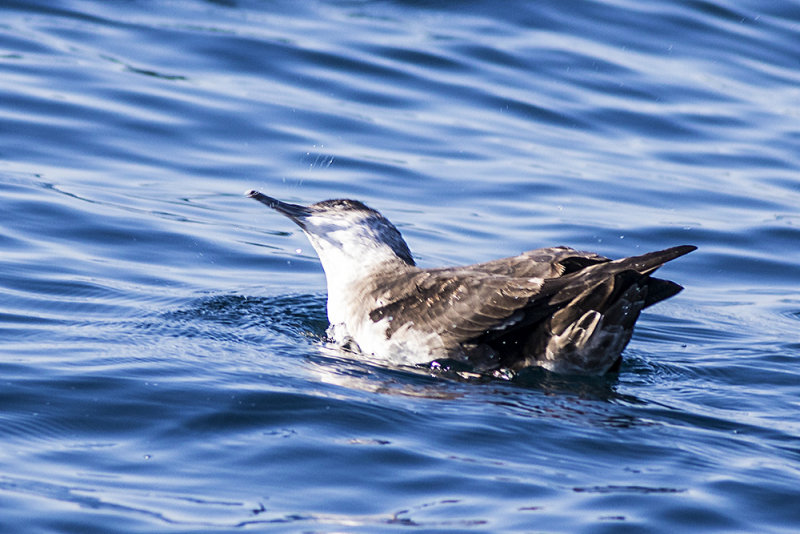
163,362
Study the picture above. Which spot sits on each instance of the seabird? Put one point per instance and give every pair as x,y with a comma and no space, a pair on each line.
558,308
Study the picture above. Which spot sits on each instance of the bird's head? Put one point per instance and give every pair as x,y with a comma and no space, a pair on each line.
347,235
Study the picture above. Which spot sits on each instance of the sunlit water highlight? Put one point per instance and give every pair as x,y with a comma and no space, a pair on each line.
163,366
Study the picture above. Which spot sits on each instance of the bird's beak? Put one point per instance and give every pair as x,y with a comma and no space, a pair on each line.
295,212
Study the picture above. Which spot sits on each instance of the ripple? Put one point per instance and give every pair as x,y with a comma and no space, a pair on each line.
164,360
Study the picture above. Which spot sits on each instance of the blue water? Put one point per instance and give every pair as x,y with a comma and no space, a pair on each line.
162,357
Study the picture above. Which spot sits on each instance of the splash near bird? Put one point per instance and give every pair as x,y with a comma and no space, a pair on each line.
558,308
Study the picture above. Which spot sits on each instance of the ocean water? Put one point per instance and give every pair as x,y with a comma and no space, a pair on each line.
163,366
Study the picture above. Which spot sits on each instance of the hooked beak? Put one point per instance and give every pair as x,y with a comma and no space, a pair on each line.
295,212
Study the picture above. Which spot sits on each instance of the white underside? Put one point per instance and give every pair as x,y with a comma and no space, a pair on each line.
406,347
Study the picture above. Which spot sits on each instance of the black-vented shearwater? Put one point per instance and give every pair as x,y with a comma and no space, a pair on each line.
558,308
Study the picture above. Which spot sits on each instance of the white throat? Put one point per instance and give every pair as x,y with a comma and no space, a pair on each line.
351,251
347,264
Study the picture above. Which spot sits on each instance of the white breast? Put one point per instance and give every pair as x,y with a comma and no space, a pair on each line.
350,321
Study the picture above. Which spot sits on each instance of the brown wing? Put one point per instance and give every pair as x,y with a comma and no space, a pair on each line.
500,303
459,305
463,303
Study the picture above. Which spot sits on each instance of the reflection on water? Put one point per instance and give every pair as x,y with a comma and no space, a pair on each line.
164,362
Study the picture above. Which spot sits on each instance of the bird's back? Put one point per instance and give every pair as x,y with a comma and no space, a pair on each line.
558,308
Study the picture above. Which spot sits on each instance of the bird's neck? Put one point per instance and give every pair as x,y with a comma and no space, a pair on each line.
351,284
351,260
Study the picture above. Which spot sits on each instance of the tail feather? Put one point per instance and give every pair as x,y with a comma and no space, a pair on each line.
648,263
581,321
566,288
659,289
612,294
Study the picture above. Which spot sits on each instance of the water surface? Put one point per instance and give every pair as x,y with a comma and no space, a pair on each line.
163,366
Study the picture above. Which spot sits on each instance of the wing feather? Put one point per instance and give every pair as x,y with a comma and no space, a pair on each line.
463,303
506,303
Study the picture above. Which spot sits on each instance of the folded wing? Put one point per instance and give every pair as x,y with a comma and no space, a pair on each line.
546,303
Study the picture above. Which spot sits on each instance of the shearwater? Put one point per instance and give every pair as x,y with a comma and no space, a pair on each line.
562,309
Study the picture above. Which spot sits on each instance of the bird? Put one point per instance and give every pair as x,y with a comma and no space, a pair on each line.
561,309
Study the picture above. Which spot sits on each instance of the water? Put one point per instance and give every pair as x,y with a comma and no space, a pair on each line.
162,356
